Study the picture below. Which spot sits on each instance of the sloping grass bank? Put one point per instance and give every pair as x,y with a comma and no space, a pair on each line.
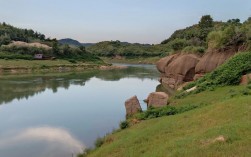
221,128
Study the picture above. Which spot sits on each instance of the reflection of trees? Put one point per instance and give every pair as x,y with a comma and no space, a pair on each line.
131,72
17,87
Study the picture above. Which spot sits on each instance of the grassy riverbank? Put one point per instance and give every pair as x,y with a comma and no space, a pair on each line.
27,66
220,126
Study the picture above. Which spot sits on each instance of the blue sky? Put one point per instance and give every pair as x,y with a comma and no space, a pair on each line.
143,21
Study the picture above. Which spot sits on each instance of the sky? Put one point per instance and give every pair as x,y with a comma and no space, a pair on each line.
141,21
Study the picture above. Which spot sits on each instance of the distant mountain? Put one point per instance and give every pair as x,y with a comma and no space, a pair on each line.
73,42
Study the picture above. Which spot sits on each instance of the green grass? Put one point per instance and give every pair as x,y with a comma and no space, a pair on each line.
191,133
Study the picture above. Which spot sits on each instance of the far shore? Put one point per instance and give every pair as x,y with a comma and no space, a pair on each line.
135,60
50,66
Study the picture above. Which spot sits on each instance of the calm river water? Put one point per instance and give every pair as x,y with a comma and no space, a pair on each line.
59,115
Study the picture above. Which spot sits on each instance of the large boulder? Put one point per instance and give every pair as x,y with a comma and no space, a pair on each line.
132,106
181,70
157,99
163,62
211,60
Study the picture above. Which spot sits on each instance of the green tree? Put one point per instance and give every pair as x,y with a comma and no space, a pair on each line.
5,39
206,26
55,47
82,48
206,21
66,49
234,21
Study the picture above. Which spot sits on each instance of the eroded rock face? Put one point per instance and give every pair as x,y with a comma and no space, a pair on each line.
245,79
132,106
211,60
178,69
163,62
157,99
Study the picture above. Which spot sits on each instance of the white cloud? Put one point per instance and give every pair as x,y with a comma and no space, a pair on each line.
56,139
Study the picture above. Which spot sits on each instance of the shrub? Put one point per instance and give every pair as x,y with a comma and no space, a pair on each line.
249,86
164,111
194,49
99,142
214,39
178,44
245,91
72,61
44,66
124,125
7,56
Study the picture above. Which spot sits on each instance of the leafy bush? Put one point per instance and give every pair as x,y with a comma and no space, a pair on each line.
72,61
249,86
194,49
178,44
245,92
214,39
164,111
7,56
124,125
99,142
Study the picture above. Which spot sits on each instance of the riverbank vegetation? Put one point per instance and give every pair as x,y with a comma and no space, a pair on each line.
17,66
219,126
17,43
212,120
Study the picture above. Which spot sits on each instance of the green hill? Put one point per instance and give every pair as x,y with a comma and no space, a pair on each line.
209,34
73,42
18,43
113,48
206,34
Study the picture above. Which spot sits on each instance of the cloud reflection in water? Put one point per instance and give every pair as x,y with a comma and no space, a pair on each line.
51,142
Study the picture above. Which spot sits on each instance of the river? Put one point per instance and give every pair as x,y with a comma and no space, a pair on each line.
57,115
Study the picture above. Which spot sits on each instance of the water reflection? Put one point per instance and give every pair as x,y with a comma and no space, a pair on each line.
88,105
58,141
19,87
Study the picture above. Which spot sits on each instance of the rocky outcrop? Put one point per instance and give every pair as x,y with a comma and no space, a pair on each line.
180,68
132,106
157,99
245,79
163,62
177,69
212,60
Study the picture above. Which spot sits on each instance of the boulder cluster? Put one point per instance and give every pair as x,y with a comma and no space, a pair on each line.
155,99
180,68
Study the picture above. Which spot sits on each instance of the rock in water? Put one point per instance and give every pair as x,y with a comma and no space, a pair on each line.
157,99
132,106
